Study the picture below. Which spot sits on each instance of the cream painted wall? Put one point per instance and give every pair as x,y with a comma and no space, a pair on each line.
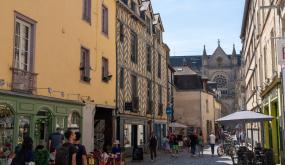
60,33
187,108
207,115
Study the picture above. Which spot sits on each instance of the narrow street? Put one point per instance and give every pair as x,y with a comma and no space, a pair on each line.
184,158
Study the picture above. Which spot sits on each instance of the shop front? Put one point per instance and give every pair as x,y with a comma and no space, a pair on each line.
160,132
103,128
132,132
271,105
24,115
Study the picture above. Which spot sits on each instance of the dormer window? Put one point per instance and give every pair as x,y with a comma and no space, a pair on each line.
148,24
125,1
143,15
133,6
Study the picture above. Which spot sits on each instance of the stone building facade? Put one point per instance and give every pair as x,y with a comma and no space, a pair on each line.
262,29
219,68
195,105
142,73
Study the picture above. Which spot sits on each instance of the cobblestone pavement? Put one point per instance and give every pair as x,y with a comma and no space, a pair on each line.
183,158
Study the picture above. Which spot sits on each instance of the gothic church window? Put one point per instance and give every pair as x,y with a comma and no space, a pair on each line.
221,81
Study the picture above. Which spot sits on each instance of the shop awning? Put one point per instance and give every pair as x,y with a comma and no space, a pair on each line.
177,125
245,117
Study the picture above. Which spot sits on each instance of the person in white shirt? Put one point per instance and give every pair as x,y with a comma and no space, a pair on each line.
212,138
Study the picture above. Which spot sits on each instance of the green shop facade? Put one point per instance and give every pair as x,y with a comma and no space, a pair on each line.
35,116
271,105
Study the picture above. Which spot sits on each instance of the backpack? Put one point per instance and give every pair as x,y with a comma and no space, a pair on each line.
62,155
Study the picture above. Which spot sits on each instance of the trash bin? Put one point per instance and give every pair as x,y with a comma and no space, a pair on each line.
137,153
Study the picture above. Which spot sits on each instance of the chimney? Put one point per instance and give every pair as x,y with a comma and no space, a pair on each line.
205,84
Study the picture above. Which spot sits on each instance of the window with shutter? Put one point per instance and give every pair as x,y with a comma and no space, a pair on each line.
134,86
85,65
148,22
134,42
160,94
105,70
148,51
87,10
105,20
122,78
122,32
159,66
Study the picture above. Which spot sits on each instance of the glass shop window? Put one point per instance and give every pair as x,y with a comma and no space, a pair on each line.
127,135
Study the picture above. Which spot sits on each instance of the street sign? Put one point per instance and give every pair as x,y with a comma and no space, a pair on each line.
281,51
169,110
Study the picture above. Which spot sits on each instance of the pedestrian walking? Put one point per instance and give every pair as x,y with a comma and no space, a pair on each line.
81,155
54,143
25,154
200,146
55,140
117,153
175,146
212,138
152,146
193,143
66,154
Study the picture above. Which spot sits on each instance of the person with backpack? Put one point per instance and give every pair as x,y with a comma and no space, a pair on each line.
25,154
81,155
41,155
55,140
152,146
66,154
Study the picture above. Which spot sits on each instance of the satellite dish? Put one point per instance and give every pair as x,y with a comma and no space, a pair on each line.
2,82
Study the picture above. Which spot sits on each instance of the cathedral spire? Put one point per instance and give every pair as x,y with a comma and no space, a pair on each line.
204,51
219,43
234,50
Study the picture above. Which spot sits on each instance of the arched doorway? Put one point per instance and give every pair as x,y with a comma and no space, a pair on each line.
6,129
43,126
74,121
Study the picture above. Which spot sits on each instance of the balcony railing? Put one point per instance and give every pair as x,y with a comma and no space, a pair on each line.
23,81
160,109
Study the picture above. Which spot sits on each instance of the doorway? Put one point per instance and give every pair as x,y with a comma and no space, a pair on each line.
43,127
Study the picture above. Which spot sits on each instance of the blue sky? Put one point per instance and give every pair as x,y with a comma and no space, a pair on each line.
189,24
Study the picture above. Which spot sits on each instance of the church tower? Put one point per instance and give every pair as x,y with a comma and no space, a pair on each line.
204,62
234,56
205,57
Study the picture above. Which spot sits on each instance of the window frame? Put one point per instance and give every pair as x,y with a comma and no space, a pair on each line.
86,11
105,69
122,75
149,55
134,83
31,45
134,47
85,67
159,65
105,20
122,35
